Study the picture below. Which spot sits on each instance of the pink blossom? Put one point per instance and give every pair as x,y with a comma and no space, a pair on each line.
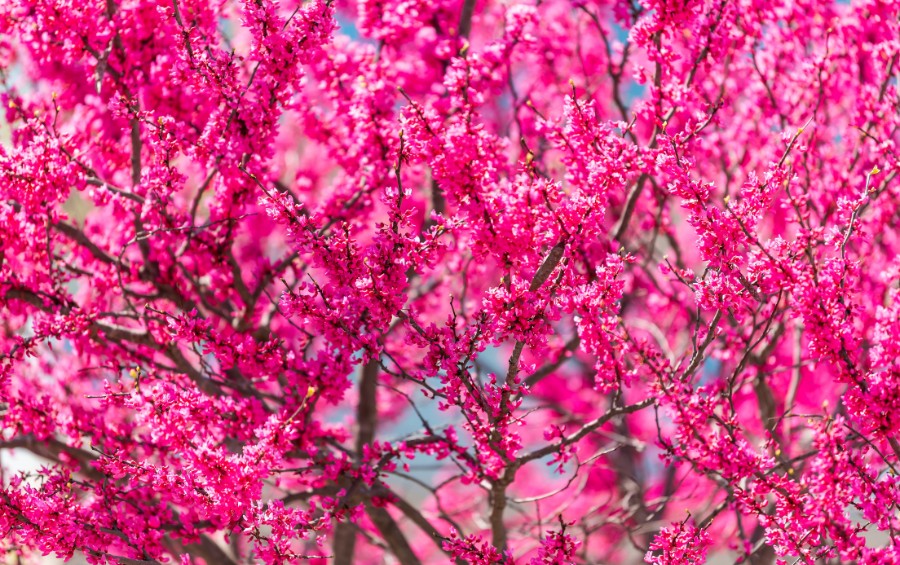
419,282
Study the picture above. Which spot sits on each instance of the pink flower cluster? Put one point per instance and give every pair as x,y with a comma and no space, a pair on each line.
485,282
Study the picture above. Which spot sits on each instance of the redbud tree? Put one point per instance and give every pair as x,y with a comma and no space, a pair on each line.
441,281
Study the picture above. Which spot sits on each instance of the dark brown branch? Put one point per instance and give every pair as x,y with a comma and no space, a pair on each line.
585,430
78,237
367,409
549,368
392,534
540,277
344,543
418,519
465,18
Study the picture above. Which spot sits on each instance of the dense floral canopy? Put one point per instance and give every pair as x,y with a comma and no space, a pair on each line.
424,281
